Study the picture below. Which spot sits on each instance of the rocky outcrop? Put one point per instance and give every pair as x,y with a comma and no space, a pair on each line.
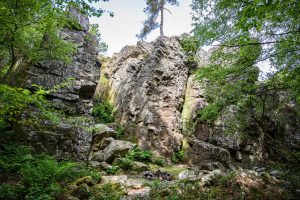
84,70
147,86
74,85
81,21
64,140
111,149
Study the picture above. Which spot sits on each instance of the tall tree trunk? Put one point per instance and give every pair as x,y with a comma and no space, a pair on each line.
162,18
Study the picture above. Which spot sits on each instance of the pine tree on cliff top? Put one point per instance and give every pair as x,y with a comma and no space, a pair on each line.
153,9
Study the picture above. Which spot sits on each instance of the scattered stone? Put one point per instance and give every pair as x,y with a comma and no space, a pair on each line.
259,169
100,132
187,175
276,173
81,192
139,166
94,164
142,193
238,156
114,149
203,151
105,165
120,179
158,175
88,180
207,178
247,148
211,166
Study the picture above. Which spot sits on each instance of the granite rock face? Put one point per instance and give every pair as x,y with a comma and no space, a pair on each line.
147,86
84,73
82,20
64,140
67,139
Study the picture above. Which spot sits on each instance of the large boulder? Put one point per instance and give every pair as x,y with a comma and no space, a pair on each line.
147,86
203,151
64,140
114,149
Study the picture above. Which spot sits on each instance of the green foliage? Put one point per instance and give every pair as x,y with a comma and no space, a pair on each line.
39,177
113,170
190,46
242,27
125,163
11,192
210,113
13,158
30,29
159,162
120,131
138,154
163,190
178,156
13,101
108,191
102,46
104,112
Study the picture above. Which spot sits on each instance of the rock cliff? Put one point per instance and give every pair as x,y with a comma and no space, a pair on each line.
156,98
147,85
70,138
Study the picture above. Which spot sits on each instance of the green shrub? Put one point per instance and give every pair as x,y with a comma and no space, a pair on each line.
125,163
13,158
120,130
161,190
190,46
210,113
138,154
104,112
14,101
159,162
113,170
11,192
108,192
178,156
40,177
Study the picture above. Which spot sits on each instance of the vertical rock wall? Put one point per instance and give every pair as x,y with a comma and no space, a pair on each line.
67,139
147,86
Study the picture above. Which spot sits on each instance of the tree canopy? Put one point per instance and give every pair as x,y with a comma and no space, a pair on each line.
272,24
246,33
153,9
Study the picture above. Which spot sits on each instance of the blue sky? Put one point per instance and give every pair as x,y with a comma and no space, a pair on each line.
121,29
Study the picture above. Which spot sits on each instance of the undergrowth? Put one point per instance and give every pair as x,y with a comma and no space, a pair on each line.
24,175
104,112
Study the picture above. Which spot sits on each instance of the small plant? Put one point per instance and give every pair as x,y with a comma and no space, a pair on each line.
138,154
37,176
108,192
159,162
190,46
11,192
113,170
126,163
120,130
178,156
104,112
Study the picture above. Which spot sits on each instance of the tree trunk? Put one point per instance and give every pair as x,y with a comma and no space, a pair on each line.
162,18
